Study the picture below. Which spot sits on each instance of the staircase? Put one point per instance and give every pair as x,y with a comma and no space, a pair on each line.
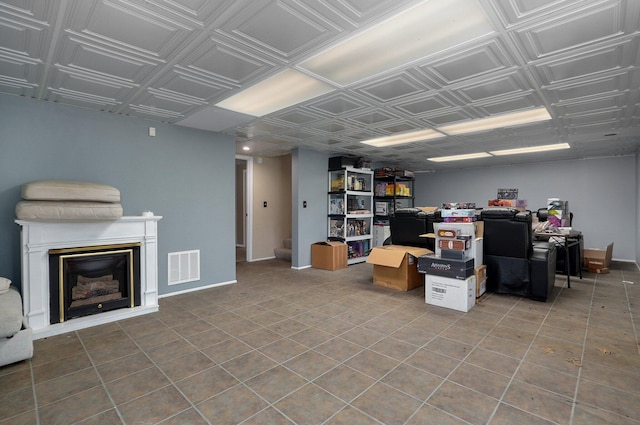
284,253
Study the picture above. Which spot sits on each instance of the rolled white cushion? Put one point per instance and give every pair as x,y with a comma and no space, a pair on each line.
59,190
67,211
4,285
10,314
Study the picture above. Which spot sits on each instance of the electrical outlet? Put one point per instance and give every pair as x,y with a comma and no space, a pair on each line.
264,204
304,204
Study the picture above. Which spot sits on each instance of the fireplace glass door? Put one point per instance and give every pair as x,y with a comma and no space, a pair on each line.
91,280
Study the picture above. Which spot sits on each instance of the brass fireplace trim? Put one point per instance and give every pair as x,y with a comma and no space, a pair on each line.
90,251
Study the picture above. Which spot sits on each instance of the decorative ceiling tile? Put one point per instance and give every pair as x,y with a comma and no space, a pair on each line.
337,104
425,105
598,23
392,88
141,33
588,65
476,62
281,28
173,60
224,62
506,85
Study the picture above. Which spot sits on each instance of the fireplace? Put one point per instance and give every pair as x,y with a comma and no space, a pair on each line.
39,239
92,280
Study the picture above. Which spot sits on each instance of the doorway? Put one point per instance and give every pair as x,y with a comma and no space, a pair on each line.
244,207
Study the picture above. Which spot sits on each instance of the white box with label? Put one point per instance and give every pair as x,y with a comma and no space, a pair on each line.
450,293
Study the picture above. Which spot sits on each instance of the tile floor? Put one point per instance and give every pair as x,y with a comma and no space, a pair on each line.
317,347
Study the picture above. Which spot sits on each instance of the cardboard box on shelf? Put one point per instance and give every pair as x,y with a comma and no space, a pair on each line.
481,280
330,255
450,293
598,260
396,266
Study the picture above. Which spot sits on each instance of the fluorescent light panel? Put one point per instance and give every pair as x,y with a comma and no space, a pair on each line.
499,121
532,149
418,32
399,139
459,157
280,91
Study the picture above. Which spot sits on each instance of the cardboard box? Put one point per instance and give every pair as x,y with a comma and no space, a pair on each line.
450,293
458,244
598,260
329,255
481,280
338,162
381,233
455,254
396,266
446,267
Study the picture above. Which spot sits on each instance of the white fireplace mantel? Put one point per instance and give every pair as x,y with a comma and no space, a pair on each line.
38,238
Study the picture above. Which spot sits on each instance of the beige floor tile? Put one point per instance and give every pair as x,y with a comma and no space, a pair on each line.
464,403
248,365
435,363
344,382
206,384
309,405
78,407
479,379
539,402
154,407
137,384
276,383
224,354
232,406
606,398
412,381
387,404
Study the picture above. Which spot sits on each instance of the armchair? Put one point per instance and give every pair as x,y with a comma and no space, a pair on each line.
407,224
515,265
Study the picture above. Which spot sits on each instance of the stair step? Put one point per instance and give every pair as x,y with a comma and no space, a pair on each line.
282,253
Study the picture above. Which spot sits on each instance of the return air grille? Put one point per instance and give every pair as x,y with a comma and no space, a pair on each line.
184,267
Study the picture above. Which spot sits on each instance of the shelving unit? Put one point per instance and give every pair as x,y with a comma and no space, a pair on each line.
350,218
390,193
395,191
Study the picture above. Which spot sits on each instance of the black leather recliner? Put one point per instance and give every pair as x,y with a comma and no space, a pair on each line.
515,264
407,224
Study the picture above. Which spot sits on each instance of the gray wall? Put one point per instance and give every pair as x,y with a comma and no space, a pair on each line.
310,183
182,174
602,194
637,233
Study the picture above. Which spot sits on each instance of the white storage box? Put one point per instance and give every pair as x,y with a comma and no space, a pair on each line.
450,293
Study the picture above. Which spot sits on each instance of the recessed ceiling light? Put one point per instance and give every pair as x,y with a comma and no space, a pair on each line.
402,138
459,157
280,91
498,121
246,148
532,149
430,27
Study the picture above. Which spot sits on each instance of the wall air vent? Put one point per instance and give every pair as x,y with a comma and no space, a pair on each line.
184,267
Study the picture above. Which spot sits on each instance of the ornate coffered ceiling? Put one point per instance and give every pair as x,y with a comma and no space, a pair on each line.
173,60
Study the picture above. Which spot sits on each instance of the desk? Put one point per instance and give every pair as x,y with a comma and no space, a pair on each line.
566,240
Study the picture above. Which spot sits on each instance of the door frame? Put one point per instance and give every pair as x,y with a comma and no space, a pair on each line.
248,205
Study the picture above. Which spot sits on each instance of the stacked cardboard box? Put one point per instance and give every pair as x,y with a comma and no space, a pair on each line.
452,274
396,266
598,260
